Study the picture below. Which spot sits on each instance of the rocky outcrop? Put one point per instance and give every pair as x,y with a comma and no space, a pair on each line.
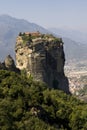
42,56
9,64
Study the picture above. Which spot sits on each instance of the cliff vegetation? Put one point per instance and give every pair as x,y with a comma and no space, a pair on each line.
30,105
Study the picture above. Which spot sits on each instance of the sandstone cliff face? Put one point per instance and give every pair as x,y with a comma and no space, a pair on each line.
42,56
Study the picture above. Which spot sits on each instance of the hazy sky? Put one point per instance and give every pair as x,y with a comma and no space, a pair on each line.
48,13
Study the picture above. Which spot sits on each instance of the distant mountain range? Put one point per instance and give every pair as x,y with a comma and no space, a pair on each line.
10,28
75,35
74,51
75,43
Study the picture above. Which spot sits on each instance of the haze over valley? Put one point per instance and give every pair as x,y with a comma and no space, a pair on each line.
75,52
43,65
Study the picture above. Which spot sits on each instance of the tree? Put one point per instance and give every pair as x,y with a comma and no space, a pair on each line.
20,34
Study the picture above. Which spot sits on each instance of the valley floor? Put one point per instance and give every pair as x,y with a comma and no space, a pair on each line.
77,75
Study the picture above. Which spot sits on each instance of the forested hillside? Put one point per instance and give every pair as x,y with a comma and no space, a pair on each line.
29,105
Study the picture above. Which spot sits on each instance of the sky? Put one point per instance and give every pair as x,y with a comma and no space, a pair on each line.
49,13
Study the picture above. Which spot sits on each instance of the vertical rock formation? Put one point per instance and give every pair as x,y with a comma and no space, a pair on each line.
42,56
9,64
